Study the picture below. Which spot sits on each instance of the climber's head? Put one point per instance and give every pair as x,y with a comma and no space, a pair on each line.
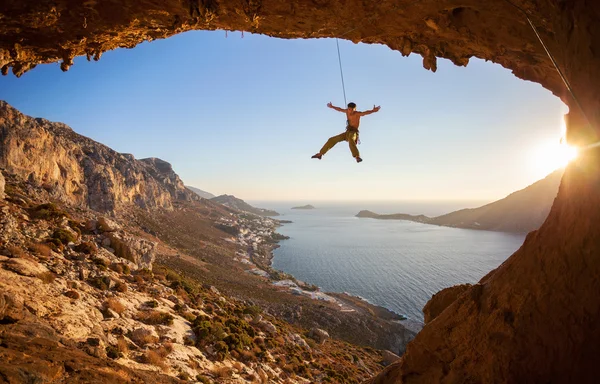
351,106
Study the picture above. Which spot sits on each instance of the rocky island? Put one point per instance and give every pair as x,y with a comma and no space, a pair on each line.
307,206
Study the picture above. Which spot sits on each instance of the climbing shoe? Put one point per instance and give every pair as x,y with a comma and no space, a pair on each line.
358,159
317,156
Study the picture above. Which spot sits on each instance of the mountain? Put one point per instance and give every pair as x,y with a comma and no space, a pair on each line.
81,171
521,212
239,204
201,193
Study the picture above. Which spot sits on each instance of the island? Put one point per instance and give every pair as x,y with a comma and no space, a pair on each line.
307,206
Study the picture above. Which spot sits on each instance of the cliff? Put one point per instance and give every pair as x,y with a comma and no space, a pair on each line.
239,204
520,212
81,171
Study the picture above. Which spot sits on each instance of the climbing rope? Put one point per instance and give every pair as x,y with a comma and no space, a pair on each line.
341,71
560,73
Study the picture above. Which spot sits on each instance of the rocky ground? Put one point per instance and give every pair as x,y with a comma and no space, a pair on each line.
84,299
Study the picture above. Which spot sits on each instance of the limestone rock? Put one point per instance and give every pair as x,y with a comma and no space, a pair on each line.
318,335
80,171
268,327
25,267
107,225
442,300
296,338
139,251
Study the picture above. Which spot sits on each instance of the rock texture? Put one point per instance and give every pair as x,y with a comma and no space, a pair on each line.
81,171
441,300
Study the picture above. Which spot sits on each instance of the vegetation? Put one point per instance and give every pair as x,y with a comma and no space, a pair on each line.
47,211
154,317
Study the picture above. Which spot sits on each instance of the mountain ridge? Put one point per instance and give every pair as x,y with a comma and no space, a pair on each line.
520,212
239,204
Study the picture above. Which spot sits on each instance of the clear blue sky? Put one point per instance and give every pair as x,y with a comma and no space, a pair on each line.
243,116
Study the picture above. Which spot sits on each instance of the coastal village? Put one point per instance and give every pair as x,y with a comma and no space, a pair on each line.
257,237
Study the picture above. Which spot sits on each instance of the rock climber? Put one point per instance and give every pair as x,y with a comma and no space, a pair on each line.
351,134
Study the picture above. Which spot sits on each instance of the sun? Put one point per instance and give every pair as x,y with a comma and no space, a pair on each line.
549,157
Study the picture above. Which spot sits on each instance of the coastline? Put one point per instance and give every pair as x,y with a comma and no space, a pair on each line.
258,238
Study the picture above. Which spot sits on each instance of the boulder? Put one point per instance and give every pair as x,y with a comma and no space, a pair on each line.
298,340
107,225
268,327
318,335
141,252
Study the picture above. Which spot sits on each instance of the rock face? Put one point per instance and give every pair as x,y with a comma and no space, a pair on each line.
442,300
81,171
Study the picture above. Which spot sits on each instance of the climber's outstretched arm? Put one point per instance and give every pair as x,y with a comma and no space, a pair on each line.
336,108
375,109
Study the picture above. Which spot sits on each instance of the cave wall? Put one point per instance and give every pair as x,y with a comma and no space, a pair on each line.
534,319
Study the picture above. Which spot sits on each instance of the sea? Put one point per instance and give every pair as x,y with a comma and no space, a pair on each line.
395,264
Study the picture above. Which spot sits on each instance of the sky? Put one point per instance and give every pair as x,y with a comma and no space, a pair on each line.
243,115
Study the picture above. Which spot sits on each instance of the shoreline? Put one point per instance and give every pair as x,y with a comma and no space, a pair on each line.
258,237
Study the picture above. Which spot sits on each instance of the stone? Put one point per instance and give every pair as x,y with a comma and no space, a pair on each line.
107,225
268,327
91,225
25,267
318,335
296,338
139,251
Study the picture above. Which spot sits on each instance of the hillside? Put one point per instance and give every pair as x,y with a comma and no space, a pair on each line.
520,212
201,193
158,293
239,204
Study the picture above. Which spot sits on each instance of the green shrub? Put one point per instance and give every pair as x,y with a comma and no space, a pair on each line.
47,211
63,236
100,282
155,317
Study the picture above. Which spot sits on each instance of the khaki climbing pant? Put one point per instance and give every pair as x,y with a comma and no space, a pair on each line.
351,136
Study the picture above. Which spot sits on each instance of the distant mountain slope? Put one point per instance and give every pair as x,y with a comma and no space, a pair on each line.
239,204
522,211
201,193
